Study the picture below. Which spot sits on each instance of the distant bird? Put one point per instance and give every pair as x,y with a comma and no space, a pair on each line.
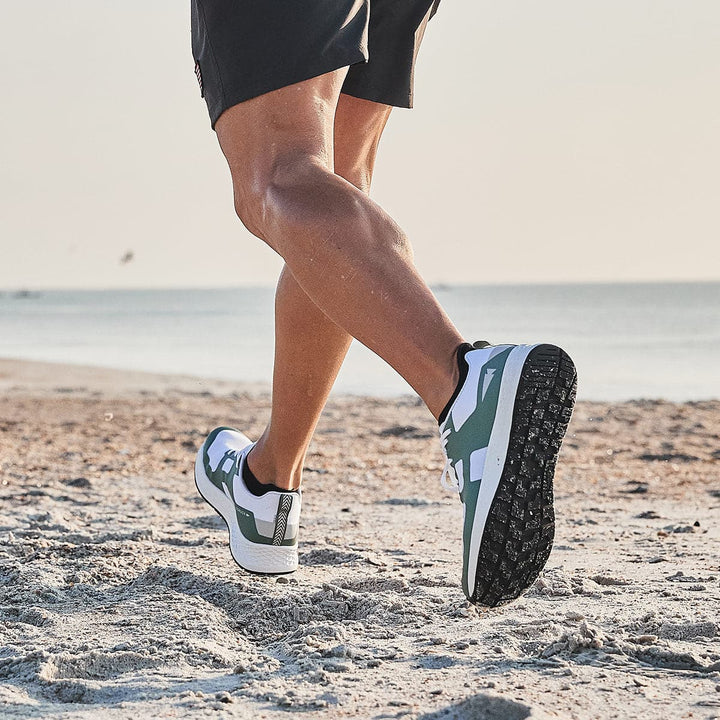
127,257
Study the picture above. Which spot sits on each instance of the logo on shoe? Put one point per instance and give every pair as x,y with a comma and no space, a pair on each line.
487,379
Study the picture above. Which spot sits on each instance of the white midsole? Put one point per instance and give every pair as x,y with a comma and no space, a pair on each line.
496,451
271,559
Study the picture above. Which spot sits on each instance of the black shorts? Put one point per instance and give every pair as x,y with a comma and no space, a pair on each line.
245,48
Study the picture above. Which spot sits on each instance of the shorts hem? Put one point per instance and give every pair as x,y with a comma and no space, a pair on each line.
231,99
406,104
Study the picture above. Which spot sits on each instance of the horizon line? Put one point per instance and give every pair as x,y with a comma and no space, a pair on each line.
21,290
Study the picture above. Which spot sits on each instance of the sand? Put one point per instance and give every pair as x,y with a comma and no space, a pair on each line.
119,599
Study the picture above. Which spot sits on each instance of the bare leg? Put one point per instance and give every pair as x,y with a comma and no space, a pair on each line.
345,252
309,347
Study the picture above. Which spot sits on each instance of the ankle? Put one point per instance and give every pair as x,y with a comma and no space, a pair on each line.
445,390
461,371
270,473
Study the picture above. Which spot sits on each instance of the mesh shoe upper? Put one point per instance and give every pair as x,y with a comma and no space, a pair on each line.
270,519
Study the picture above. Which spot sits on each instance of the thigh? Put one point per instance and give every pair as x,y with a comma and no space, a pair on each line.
359,124
279,139
292,122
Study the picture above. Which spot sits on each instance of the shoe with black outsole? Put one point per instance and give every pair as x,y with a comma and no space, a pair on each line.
263,528
501,433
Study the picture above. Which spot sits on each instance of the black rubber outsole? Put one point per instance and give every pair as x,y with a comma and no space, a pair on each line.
520,526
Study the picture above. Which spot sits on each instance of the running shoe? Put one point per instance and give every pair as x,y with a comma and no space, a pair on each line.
263,528
501,434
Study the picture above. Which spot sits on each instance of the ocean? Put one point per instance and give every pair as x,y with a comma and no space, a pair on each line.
654,340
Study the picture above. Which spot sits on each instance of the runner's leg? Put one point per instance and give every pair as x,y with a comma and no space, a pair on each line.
309,347
344,251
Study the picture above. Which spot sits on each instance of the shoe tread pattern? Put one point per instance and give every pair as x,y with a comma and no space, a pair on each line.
520,526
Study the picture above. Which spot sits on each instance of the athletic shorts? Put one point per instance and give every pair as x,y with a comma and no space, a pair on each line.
245,48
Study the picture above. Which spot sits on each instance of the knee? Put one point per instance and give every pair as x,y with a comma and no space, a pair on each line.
261,197
248,198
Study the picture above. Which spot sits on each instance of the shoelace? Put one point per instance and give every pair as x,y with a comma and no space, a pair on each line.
449,478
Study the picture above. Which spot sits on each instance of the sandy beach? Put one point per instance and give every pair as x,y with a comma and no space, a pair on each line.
119,599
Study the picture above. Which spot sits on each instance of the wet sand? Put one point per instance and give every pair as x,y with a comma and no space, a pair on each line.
119,599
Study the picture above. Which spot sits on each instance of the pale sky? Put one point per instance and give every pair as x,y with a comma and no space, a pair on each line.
554,141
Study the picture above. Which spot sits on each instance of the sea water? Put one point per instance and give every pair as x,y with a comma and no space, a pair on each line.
627,340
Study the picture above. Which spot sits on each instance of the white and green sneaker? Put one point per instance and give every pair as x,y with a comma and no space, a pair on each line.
501,434
263,529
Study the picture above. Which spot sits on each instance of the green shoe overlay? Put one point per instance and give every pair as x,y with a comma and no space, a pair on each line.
501,437
263,529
